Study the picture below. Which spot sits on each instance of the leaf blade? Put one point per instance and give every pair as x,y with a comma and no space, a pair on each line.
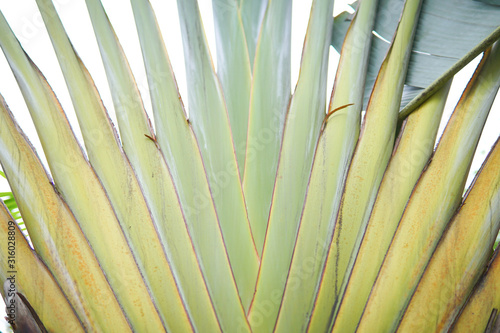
252,14
208,116
484,299
411,155
118,179
56,235
331,162
425,218
234,71
452,270
268,105
302,126
41,291
80,187
181,151
154,176
366,170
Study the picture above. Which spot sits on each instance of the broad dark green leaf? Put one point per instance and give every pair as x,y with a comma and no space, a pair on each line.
437,44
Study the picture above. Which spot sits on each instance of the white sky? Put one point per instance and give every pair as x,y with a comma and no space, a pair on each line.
25,20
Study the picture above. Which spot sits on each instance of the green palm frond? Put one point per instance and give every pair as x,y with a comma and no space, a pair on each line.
10,202
263,210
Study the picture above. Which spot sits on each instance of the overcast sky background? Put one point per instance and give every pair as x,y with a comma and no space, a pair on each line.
25,20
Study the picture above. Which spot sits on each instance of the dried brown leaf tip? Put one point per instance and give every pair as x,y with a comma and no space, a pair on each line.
152,138
332,112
